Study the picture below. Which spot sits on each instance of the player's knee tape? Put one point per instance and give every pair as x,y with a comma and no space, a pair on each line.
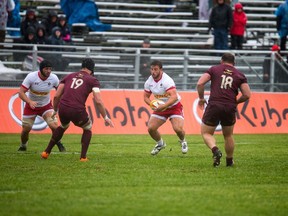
51,120
87,126
27,122
65,126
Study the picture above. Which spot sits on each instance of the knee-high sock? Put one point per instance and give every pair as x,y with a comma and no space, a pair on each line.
56,136
85,142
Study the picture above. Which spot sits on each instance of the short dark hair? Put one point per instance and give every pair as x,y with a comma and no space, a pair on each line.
157,63
228,57
89,64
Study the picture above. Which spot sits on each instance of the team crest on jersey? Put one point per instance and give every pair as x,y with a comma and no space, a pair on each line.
227,71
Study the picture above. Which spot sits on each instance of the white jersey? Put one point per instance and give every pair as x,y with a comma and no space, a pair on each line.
39,89
160,87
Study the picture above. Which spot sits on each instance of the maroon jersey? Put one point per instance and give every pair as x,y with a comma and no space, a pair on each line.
225,82
77,88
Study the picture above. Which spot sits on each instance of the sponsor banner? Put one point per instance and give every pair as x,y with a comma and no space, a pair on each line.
263,113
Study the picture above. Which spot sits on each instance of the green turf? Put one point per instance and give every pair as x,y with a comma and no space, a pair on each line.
122,178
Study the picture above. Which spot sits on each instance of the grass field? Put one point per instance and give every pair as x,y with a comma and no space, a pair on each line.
122,178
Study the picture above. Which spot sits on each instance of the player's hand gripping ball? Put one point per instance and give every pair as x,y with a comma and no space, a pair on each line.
155,103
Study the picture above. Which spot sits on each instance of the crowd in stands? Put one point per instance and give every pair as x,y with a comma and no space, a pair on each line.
52,29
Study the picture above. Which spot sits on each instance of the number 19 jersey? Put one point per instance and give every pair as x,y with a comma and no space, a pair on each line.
77,88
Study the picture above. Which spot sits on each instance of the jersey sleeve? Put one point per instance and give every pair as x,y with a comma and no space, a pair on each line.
27,81
169,84
56,81
146,86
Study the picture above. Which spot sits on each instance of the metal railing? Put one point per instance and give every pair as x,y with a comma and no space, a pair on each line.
120,67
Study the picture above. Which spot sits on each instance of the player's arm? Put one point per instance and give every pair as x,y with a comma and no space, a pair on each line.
246,93
100,105
57,96
23,96
147,99
200,87
172,94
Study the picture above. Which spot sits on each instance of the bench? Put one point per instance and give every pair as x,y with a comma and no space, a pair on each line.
90,56
159,28
141,12
162,42
105,65
150,35
265,2
134,5
154,20
206,67
117,4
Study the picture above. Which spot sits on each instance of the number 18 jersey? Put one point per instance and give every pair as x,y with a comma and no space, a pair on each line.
225,82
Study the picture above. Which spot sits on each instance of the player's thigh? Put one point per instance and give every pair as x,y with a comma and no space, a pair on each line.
154,122
177,123
227,130
207,129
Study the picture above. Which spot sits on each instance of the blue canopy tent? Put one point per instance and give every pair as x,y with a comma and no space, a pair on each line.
83,11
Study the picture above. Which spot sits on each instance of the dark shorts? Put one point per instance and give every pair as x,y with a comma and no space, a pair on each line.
215,113
77,116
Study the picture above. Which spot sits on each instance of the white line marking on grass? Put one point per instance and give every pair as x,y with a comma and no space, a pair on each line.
12,192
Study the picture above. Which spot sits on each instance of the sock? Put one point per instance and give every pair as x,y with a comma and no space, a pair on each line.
85,141
214,149
160,142
183,140
229,161
56,136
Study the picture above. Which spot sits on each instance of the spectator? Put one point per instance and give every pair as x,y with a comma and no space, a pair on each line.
14,20
55,39
65,30
220,21
29,20
282,23
145,59
50,22
168,2
5,7
30,35
205,9
238,27
41,35
28,38
280,71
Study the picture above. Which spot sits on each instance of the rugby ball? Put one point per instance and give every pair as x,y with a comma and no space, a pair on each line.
155,103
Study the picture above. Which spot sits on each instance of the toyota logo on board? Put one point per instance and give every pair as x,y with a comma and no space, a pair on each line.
39,123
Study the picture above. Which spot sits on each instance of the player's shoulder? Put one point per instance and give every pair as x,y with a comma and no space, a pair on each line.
54,76
32,75
166,77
